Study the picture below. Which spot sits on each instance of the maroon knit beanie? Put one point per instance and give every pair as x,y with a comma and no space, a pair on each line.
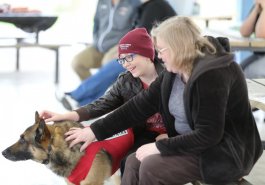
137,41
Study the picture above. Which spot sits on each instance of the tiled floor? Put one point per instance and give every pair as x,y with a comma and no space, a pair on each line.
31,89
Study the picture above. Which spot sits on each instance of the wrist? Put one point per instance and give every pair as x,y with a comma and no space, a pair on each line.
91,133
73,116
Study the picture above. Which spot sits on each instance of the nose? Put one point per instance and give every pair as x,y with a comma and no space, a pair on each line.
6,153
126,64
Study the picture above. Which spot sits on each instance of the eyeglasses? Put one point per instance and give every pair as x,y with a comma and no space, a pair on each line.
160,51
128,58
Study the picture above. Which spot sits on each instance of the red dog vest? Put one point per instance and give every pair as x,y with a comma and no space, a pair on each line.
117,146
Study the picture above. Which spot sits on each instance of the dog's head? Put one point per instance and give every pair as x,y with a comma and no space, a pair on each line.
33,143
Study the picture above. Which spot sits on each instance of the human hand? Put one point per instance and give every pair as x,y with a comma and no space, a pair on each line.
77,135
161,136
146,150
49,116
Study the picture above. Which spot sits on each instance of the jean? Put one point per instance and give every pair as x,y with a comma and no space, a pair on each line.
253,66
96,85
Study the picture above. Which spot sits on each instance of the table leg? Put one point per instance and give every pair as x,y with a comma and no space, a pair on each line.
56,66
206,23
19,40
17,58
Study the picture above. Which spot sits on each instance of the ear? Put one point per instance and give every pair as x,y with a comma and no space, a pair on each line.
42,131
37,117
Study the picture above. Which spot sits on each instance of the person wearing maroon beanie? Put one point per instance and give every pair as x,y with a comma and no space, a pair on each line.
137,56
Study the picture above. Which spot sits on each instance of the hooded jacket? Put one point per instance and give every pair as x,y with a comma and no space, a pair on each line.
111,23
224,133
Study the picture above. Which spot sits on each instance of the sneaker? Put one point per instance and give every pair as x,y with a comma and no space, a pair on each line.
67,101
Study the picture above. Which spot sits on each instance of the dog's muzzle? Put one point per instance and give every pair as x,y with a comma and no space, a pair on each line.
18,156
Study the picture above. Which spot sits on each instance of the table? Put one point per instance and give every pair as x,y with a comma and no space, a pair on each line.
207,19
247,44
256,91
238,42
53,47
29,22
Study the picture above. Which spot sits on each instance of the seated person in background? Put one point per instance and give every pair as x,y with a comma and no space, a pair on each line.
111,22
203,99
92,87
142,69
150,12
253,66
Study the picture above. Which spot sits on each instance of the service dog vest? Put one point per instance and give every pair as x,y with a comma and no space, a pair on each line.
117,146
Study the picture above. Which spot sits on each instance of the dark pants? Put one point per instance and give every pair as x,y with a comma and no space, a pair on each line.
140,139
250,60
253,66
161,170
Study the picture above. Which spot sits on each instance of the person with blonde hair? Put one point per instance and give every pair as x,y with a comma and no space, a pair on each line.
202,97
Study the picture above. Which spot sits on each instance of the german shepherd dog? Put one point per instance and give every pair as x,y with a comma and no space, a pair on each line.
45,143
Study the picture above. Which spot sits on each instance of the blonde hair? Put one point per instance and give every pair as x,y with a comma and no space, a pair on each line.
184,40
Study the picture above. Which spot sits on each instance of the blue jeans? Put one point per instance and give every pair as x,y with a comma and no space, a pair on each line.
96,85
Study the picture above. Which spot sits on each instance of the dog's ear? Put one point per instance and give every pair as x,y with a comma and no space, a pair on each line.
42,131
37,117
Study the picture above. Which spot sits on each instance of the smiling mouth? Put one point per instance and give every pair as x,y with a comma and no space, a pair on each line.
131,69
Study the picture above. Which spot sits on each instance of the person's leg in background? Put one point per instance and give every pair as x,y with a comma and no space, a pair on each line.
249,60
85,60
255,69
110,55
96,85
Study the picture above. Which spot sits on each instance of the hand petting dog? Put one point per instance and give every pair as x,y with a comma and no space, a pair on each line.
49,116
77,135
